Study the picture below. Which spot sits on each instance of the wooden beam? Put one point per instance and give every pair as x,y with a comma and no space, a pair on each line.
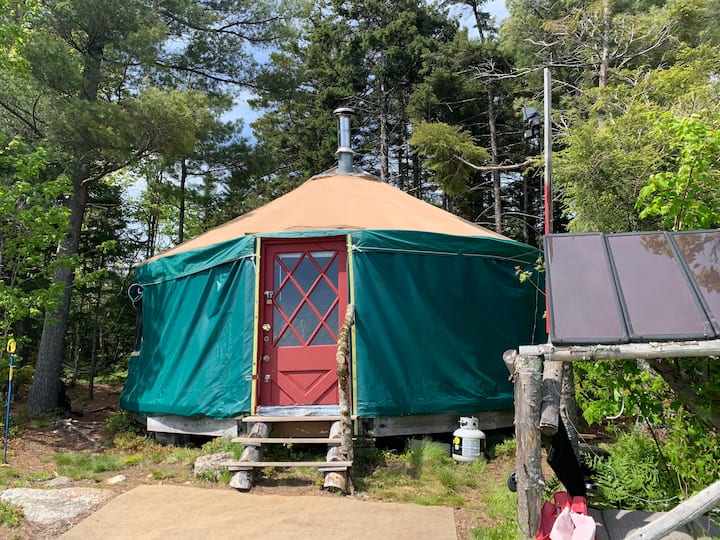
686,512
625,351
528,472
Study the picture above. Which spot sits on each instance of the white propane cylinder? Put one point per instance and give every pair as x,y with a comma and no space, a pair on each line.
468,441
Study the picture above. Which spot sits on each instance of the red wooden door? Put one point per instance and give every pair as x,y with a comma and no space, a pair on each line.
303,297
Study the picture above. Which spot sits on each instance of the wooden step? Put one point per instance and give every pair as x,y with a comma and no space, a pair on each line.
257,441
271,419
325,466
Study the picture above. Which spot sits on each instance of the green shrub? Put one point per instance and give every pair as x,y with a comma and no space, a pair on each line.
10,514
122,422
633,477
693,453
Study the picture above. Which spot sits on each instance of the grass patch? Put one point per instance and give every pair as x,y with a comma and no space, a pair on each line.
161,475
7,476
79,465
424,474
10,514
500,506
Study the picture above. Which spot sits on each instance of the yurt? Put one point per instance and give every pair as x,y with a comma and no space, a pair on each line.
243,319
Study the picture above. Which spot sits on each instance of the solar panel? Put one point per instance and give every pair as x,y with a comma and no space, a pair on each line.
701,253
633,287
583,304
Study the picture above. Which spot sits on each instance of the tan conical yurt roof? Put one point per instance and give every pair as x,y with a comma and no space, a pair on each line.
339,201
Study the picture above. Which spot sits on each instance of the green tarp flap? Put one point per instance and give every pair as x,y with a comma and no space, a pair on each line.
197,344
434,313
187,263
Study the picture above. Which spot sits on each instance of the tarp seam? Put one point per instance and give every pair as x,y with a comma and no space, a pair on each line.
451,253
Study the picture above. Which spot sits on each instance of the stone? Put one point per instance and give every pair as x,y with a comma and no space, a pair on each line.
57,481
50,505
120,478
211,462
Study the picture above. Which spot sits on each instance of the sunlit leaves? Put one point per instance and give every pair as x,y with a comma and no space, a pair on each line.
449,151
687,195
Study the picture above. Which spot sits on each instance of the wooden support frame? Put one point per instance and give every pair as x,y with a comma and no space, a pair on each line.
537,371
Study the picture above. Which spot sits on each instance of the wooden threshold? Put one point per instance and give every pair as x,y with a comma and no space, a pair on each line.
271,419
256,441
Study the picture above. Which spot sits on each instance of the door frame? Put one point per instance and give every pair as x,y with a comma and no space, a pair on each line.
347,285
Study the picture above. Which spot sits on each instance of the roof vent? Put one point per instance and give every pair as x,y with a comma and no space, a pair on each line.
344,153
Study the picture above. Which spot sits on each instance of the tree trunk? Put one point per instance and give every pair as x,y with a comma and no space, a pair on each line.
495,161
384,135
183,181
45,387
605,55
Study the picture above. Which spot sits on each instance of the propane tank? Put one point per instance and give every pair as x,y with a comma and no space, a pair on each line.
468,441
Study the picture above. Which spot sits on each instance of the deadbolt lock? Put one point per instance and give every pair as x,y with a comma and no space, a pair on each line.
266,358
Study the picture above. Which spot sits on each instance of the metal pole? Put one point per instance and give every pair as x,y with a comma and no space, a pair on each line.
11,349
547,187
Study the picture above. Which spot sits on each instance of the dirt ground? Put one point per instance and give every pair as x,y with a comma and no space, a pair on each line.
30,456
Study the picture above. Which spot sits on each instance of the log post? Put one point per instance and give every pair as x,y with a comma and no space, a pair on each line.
528,472
343,372
551,390
342,430
243,480
569,407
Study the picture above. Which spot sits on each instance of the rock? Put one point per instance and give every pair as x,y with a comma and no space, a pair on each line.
57,481
50,505
211,462
116,479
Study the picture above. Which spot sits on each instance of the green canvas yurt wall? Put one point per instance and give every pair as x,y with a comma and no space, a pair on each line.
434,313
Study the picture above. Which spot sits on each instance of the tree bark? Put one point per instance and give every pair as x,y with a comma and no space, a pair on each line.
384,135
183,182
45,387
495,161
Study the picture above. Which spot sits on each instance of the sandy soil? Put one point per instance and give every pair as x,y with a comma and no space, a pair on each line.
30,455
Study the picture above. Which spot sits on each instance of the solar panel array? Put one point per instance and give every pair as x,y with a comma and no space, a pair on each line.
633,287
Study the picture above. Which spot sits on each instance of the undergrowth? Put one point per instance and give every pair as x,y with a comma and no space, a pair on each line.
10,514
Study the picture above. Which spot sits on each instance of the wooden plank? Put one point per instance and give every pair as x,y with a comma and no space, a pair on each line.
685,512
247,465
256,441
272,419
